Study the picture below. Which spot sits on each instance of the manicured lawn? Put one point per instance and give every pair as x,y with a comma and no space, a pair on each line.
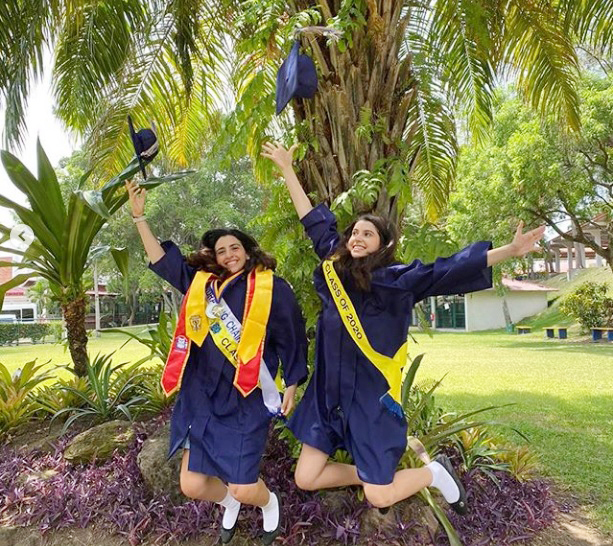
563,396
14,357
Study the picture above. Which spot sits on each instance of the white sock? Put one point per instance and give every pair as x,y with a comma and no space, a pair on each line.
270,513
442,480
232,508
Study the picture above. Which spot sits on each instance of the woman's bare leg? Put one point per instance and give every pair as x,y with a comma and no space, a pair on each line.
196,485
314,471
253,493
406,483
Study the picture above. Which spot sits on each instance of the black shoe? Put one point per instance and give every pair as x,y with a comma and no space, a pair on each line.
225,535
268,537
460,506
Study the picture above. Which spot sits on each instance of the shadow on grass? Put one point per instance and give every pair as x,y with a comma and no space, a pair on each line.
589,347
572,439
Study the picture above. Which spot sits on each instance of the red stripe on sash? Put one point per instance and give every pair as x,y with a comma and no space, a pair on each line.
248,373
177,356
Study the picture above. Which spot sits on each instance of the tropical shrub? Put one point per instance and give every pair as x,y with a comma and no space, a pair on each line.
108,395
59,395
150,389
17,403
589,305
64,230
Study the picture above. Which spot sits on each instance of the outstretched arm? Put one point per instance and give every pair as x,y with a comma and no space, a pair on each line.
520,246
283,158
137,203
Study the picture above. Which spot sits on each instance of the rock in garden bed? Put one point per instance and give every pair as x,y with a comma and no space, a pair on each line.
100,442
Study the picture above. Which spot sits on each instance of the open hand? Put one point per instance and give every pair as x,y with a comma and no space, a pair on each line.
526,242
281,157
136,195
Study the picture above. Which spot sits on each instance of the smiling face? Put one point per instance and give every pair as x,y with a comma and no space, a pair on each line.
230,253
364,239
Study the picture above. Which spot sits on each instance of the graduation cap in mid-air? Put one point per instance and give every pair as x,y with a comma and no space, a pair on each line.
145,145
297,77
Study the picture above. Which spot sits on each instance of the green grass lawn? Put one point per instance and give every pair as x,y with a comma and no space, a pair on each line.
16,356
563,396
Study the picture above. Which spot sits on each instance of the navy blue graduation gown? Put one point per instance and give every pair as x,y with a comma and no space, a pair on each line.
341,408
227,432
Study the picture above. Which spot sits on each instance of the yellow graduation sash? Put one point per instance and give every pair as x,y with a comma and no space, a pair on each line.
194,326
391,368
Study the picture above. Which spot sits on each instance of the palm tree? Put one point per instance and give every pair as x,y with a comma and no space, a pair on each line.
389,87
63,236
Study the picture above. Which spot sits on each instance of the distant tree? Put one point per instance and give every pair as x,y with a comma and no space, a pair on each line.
539,172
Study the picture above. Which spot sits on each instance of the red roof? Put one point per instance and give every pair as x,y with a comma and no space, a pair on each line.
17,291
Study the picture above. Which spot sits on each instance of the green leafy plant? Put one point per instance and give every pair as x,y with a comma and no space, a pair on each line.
434,428
105,397
17,403
150,388
64,231
589,305
50,399
479,448
521,462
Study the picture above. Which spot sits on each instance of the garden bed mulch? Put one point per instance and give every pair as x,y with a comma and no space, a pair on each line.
91,504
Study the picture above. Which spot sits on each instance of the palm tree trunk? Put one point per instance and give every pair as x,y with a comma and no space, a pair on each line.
360,113
74,316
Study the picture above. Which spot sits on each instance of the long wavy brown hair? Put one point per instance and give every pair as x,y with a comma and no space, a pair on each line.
358,271
204,258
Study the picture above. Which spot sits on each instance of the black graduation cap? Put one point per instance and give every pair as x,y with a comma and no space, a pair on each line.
145,144
297,77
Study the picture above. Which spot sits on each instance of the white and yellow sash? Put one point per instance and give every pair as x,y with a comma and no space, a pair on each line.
391,368
225,330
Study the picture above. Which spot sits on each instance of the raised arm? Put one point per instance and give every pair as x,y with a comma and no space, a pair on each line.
522,244
283,158
136,195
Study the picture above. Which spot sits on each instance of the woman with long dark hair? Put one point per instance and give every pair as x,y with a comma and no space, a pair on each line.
238,321
353,399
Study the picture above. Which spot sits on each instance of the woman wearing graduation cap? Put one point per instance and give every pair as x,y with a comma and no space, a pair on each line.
237,321
353,399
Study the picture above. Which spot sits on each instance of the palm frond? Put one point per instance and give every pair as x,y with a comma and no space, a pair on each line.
541,55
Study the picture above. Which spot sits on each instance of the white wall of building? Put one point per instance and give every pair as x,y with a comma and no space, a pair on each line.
484,309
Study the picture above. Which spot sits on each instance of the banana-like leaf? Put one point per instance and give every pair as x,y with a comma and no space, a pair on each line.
15,281
35,222
409,377
129,172
121,257
105,203
52,194
94,200
43,217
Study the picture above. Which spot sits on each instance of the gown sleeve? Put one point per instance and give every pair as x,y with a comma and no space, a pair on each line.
288,332
465,271
173,268
320,226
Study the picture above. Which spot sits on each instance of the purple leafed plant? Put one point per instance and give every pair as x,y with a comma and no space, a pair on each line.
45,491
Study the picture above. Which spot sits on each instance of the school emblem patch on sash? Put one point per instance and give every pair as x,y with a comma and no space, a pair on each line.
195,322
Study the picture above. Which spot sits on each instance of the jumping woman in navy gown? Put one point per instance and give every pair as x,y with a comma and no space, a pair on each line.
367,297
225,370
